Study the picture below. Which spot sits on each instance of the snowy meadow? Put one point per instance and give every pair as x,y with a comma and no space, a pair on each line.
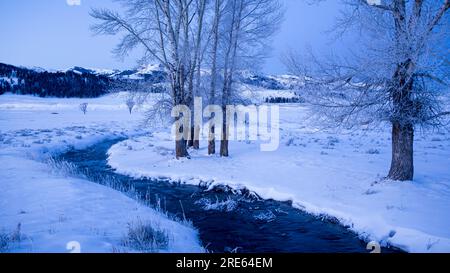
328,174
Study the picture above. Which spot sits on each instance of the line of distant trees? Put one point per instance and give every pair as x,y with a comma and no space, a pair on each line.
284,100
68,84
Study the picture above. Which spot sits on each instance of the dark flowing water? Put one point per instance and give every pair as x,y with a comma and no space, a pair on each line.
244,223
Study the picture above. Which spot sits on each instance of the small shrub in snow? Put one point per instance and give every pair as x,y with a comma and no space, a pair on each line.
370,192
145,237
373,151
83,107
290,141
16,236
332,141
5,242
7,239
130,104
430,243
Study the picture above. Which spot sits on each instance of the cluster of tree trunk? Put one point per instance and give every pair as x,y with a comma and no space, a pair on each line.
186,36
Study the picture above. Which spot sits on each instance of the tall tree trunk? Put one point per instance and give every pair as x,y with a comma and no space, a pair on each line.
196,144
211,141
402,165
230,66
194,140
190,103
181,149
190,142
224,140
212,95
198,65
179,99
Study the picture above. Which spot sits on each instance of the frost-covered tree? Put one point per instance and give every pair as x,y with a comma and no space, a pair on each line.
168,31
184,35
245,28
217,15
130,104
83,107
397,74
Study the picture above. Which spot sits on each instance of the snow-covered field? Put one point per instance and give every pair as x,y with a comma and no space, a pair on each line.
43,210
332,174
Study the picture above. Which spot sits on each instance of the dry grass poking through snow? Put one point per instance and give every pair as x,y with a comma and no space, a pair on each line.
7,240
145,237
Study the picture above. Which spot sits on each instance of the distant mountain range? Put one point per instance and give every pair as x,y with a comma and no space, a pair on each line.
152,73
92,82
156,74
73,82
20,80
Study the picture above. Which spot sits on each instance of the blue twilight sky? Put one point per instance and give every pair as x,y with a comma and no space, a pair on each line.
55,35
